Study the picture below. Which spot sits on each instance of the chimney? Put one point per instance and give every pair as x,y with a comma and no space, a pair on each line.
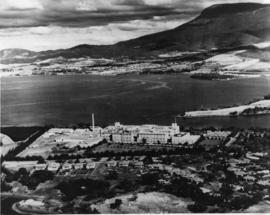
93,122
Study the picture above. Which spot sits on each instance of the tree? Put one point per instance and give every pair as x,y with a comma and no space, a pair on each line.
112,175
226,190
41,160
149,178
148,160
197,208
126,185
233,113
80,187
43,175
116,204
36,178
5,187
22,171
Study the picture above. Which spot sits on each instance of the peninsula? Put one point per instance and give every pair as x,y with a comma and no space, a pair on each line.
255,108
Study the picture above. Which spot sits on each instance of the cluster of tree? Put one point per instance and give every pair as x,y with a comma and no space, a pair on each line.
27,158
267,97
211,76
150,153
182,187
254,111
224,199
148,71
31,181
5,187
197,207
255,143
244,201
71,208
79,187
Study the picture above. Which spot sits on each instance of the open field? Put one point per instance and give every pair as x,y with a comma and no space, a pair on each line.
63,139
151,202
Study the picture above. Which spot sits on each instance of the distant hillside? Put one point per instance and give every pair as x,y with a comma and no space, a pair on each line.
16,54
221,26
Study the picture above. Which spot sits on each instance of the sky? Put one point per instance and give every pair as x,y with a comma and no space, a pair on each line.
53,24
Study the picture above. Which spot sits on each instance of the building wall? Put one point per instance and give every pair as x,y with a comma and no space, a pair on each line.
153,138
127,138
186,138
117,138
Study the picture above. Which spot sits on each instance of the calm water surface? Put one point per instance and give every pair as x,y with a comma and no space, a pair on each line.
67,100
6,205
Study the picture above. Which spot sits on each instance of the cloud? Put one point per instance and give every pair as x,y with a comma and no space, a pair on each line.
20,5
84,13
32,13
40,30
56,37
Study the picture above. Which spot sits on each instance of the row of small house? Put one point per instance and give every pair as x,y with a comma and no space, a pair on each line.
54,166
88,163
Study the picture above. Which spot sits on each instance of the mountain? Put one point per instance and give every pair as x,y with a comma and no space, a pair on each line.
221,26
217,27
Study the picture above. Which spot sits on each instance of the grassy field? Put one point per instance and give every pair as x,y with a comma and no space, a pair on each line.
121,147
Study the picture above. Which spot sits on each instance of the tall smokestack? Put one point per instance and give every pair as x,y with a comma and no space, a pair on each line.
93,122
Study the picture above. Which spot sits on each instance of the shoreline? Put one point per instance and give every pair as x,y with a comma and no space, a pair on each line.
196,76
260,107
